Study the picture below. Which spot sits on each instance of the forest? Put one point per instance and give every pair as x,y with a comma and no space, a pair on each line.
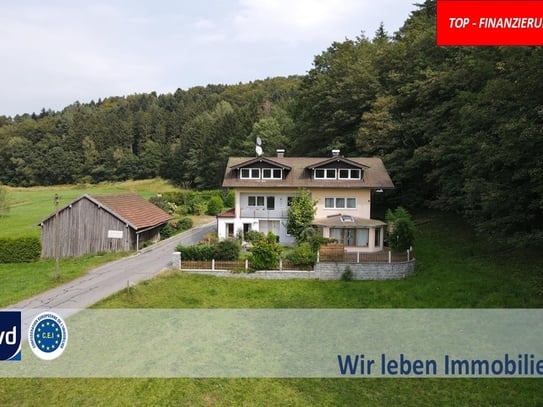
460,129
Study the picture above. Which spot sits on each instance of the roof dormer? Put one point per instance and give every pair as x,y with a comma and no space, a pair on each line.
261,168
337,168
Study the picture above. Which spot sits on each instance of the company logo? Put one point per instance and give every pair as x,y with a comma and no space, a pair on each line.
10,335
48,336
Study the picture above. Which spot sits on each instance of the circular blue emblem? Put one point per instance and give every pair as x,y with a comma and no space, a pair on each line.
48,336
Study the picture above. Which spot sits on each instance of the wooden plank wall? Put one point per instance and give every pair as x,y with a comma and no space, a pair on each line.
84,229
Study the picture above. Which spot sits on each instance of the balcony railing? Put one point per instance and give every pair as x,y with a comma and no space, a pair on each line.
261,213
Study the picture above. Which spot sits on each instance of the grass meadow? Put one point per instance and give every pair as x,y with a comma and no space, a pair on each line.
455,269
29,206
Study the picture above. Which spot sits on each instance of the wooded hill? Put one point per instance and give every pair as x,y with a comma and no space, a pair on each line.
459,128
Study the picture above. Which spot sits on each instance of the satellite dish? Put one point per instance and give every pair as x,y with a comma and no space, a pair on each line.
258,141
258,150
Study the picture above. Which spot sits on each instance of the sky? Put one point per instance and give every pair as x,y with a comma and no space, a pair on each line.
56,52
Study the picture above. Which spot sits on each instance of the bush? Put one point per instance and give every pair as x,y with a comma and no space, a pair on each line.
253,236
347,274
199,252
184,224
160,202
227,250
302,256
265,253
230,199
21,250
175,226
214,206
401,229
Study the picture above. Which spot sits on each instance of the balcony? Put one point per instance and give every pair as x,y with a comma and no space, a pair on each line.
262,213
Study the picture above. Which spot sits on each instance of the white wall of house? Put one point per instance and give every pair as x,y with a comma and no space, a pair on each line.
267,210
342,201
262,210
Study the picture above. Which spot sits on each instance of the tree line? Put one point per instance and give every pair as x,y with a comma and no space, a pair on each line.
459,128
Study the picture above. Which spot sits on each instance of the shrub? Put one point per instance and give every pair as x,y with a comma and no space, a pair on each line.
227,250
175,226
230,199
265,253
21,250
199,252
214,206
184,224
302,256
401,229
253,236
347,274
160,202
198,208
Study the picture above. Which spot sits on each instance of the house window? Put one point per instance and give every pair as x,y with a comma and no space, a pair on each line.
255,200
289,200
350,236
346,173
250,173
321,173
377,237
272,173
270,202
229,230
362,237
340,203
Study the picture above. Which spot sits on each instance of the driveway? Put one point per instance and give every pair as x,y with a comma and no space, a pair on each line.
106,280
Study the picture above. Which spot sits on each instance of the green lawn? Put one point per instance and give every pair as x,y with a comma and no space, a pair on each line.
454,269
28,206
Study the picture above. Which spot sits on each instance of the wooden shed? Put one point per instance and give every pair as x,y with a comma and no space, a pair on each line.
102,223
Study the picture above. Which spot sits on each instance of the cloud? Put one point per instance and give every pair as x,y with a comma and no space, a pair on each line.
291,21
53,53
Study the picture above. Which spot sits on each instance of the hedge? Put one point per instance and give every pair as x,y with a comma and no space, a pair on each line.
226,250
20,250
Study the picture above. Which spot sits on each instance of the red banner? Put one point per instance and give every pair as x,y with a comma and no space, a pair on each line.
489,22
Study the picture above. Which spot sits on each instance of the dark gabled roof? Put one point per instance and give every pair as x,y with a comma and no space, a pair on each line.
375,174
134,210
252,161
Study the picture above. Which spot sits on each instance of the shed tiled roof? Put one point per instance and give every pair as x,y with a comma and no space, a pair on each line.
299,175
133,209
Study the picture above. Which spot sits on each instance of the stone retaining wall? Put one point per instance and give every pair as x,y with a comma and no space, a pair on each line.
328,271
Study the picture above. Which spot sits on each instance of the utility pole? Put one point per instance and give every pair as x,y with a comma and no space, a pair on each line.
57,239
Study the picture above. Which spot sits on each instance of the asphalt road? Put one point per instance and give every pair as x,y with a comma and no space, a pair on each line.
105,280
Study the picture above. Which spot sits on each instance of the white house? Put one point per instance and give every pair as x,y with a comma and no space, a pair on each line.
342,187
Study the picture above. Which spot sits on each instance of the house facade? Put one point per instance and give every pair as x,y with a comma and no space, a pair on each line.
101,223
342,188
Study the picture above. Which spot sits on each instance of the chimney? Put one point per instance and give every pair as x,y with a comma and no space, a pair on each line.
280,153
335,153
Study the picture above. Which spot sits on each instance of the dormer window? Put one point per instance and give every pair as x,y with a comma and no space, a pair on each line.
261,173
340,173
250,173
272,173
349,173
325,173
